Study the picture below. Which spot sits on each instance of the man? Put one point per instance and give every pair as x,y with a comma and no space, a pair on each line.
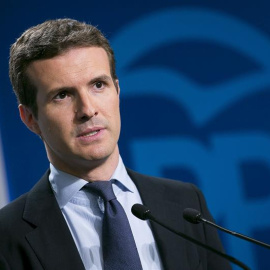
63,73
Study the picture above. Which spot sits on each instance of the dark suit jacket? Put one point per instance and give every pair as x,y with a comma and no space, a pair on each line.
34,234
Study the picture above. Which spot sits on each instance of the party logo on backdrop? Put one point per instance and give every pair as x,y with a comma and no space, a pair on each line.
194,90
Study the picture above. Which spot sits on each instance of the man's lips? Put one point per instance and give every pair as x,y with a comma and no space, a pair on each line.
90,132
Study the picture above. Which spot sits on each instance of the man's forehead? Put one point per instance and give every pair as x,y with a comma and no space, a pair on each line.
72,59
74,53
75,65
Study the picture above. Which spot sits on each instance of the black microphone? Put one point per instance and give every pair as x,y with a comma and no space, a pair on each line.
142,212
195,217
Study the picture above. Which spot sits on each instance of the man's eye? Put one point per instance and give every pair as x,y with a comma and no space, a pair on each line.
61,95
99,85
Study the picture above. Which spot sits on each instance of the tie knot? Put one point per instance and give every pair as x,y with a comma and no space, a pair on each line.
102,188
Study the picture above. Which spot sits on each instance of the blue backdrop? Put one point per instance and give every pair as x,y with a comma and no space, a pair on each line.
195,102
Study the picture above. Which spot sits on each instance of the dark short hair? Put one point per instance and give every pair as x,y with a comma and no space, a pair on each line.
44,41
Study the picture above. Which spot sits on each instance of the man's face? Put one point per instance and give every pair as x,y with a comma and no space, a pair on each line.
78,108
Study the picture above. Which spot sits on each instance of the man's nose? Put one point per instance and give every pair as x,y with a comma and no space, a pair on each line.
85,107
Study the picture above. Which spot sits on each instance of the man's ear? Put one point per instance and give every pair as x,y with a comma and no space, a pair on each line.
29,119
117,86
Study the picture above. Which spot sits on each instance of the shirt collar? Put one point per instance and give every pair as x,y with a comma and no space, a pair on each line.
121,177
65,186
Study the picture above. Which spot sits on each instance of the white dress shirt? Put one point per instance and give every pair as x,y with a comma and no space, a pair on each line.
83,212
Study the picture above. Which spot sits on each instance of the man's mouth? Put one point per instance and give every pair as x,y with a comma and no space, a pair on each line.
89,134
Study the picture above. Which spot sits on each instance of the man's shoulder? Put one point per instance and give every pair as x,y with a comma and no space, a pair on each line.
161,183
157,179
12,211
11,219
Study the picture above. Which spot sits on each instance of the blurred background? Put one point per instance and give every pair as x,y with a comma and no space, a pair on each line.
195,102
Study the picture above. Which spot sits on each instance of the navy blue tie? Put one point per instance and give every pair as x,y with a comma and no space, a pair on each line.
119,248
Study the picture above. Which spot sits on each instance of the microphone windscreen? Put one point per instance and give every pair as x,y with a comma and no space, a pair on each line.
140,211
192,215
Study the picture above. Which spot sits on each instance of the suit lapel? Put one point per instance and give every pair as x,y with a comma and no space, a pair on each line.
172,248
50,239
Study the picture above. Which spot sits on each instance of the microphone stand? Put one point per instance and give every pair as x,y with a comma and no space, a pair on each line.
235,233
195,217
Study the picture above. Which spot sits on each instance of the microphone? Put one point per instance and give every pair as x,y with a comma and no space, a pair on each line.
195,217
142,212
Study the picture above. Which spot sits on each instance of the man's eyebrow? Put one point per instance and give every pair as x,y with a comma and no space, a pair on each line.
102,77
